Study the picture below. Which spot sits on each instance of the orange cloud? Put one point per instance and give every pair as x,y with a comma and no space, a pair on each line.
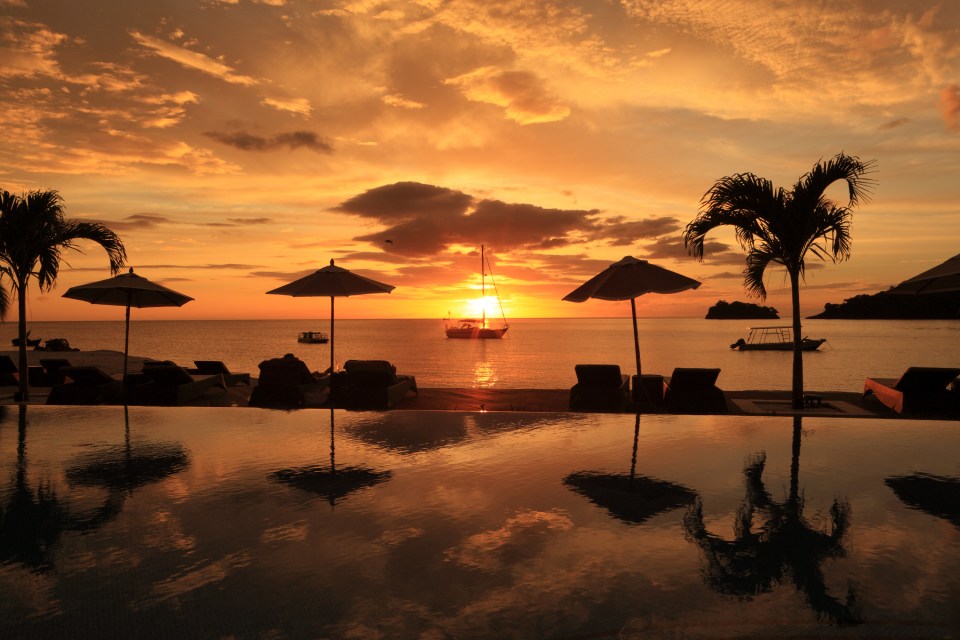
523,95
949,106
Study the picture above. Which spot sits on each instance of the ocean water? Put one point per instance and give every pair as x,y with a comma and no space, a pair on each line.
536,353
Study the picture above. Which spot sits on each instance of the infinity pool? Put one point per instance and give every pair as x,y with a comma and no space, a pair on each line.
231,523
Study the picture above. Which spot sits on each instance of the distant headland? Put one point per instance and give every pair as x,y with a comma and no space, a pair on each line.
893,306
735,310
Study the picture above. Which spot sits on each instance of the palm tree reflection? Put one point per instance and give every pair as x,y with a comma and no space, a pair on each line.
783,546
30,522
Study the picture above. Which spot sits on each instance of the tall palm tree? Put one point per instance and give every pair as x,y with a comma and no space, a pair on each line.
782,227
34,232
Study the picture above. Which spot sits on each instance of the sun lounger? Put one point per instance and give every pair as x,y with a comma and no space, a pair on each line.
919,391
215,367
600,387
372,384
86,385
694,390
287,383
168,384
9,374
48,374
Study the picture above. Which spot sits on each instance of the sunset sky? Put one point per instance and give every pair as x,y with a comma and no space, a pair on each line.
236,145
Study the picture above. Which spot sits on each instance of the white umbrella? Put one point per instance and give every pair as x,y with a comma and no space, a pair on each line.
627,279
332,281
942,278
127,290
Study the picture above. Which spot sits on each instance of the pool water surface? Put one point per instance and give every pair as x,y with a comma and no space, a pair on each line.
245,523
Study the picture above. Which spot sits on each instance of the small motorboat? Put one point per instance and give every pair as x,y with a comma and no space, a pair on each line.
30,343
774,339
313,337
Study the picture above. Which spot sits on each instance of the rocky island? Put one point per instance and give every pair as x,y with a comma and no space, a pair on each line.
735,310
894,306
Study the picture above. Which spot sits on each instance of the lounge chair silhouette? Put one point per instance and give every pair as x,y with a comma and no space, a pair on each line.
600,387
86,384
9,373
215,367
371,384
287,383
919,391
168,384
694,390
49,373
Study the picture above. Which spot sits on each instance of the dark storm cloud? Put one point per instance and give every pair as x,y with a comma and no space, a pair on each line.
621,232
426,219
291,140
404,200
672,247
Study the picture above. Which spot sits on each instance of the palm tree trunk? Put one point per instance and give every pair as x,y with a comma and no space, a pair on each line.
24,394
797,389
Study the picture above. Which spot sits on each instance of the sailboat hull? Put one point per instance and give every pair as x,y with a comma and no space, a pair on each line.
476,333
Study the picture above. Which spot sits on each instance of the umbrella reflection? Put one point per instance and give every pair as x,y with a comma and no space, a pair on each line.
329,481
937,495
630,497
784,545
128,466
30,521
410,432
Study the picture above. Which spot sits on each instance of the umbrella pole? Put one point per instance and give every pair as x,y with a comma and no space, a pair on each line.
126,345
331,341
636,347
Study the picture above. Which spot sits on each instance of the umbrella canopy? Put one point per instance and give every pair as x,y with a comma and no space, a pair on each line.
335,282
127,290
942,278
627,279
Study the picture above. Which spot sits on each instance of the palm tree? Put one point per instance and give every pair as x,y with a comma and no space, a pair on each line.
782,227
33,234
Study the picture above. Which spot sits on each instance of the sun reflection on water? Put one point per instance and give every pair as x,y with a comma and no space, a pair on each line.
484,375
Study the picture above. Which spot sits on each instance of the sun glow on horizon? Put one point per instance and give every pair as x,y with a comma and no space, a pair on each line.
484,306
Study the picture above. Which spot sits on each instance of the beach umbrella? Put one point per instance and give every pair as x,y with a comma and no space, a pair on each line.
942,278
127,290
628,279
335,282
327,480
630,497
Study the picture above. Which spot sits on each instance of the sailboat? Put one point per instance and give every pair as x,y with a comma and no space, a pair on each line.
476,328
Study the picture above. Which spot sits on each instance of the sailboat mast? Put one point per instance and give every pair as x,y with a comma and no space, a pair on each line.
483,287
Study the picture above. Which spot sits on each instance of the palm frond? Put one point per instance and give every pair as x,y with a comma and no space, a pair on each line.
741,201
757,262
4,300
856,173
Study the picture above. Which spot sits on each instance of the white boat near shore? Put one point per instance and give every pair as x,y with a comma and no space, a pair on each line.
774,339
313,337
